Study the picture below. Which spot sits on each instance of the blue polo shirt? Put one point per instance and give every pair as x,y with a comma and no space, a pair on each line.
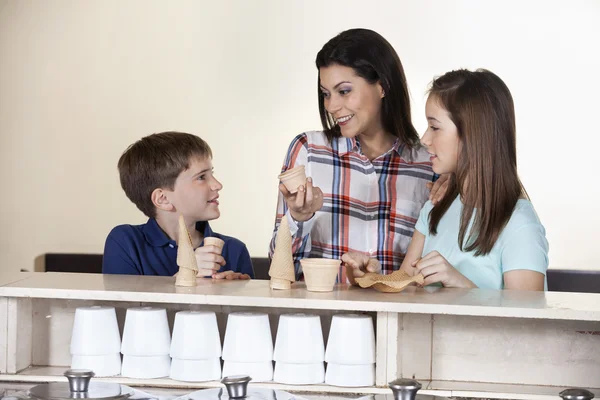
146,250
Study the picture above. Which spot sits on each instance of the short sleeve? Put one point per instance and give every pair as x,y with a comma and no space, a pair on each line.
423,221
526,248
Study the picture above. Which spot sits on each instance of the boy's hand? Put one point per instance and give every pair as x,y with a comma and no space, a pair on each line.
230,275
438,188
357,264
209,260
305,202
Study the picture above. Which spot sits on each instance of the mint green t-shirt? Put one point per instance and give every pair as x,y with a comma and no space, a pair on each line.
522,244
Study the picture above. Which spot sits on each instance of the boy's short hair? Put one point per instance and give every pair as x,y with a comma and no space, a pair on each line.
155,162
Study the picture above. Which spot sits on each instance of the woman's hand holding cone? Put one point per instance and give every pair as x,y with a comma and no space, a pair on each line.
305,202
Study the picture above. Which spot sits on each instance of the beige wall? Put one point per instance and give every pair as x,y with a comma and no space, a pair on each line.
80,80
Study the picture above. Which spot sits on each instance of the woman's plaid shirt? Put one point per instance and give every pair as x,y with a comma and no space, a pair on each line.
368,206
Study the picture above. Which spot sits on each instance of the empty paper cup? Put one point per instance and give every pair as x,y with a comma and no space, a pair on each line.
95,331
320,273
106,365
351,340
299,374
293,178
195,336
146,332
259,371
299,339
248,338
195,370
350,375
146,367
213,241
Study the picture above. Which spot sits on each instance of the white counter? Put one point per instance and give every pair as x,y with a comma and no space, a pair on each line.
471,302
468,343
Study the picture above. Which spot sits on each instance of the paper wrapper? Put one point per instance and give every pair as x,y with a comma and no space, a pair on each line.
392,283
186,260
282,265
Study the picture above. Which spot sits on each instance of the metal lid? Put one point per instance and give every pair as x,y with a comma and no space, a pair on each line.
576,394
236,385
96,391
236,379
79,373
405,384
80,387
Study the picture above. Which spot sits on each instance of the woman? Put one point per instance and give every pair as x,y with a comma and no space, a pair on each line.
368,172
485,232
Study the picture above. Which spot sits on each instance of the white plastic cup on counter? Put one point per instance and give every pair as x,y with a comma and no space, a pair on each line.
95,332
146,332
195,336
103,365
299,339
248,338
146,367
350,375
351,340
259,371
195,370
299,374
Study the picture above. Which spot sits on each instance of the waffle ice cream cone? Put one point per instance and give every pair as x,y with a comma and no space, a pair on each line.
392,283
213,241
282,265
186,259
185,277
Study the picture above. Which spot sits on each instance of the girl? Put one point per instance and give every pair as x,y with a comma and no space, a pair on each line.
485,232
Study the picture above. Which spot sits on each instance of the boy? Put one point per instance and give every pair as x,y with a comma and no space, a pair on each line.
166,175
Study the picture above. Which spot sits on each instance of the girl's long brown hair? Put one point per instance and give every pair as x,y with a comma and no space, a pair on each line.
481,107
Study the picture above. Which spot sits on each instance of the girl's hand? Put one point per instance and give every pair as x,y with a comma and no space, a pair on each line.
435,268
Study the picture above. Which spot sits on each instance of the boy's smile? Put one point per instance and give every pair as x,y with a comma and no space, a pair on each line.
196,192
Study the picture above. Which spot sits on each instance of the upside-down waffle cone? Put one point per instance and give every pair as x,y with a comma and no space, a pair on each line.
186,259
392,283
282,265
185,277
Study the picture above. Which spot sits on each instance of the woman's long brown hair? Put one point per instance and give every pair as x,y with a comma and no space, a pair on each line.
481,107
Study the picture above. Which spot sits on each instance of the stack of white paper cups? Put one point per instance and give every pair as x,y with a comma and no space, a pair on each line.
95,341
248,346
195,347
299,350
350,353
146,343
